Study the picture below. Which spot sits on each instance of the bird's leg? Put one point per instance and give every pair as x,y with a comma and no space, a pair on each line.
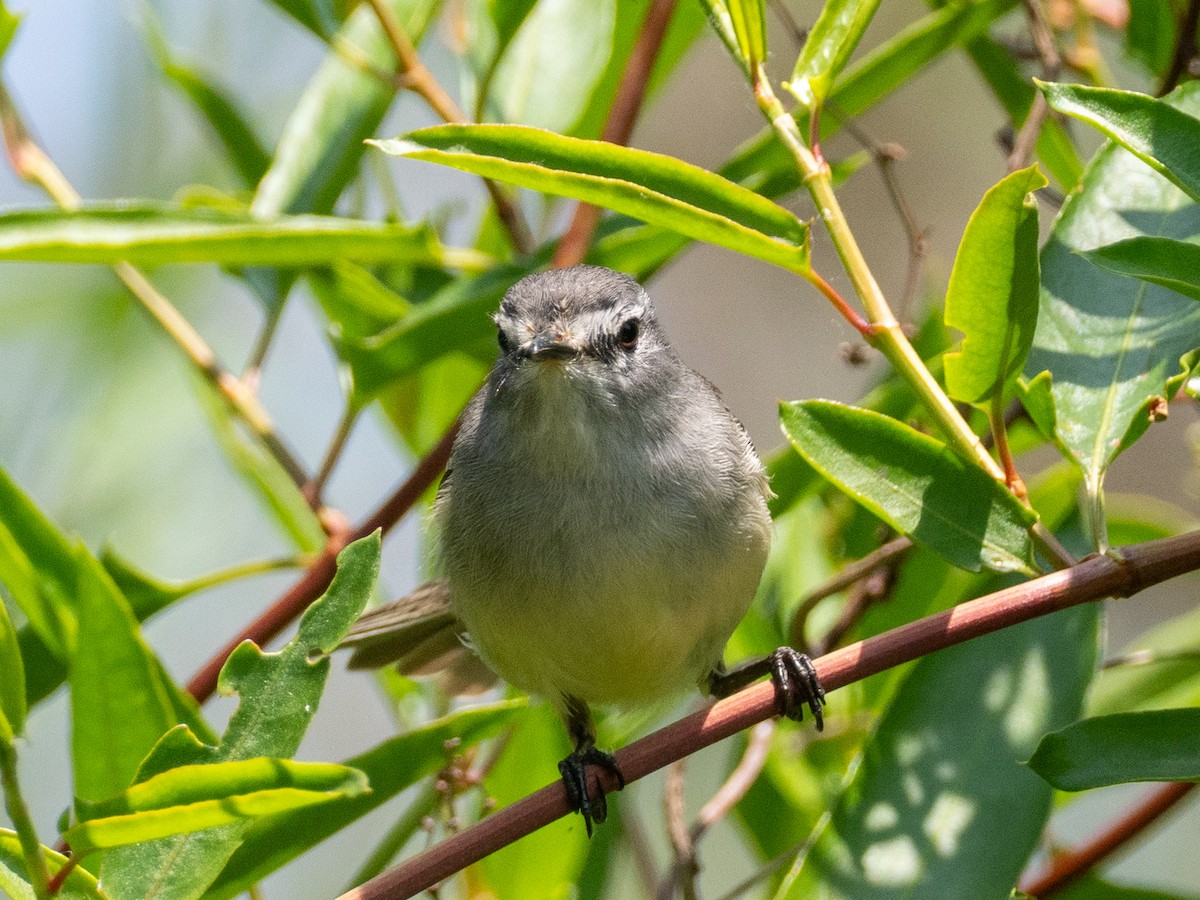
574,767
792,672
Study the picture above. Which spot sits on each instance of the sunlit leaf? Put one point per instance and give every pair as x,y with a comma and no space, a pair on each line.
394,765
1172,264
78,885
9,22
151,235
1159,133
191,798
749,19
918,818
649,186
992,297
12,685
1157,745
914,483
279,696
827,49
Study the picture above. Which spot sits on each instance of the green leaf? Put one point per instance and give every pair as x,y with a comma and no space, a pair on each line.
155,234
191,798
279,696
940,805
749,20
342,105
1173,264
78,885
1162,670
249,157
391,767
1158,133
658,189
507,16
12,685
321,17
1151,33
1157,745
721,21
1112,345
9,22
827,49
914,483
993,293
1091,887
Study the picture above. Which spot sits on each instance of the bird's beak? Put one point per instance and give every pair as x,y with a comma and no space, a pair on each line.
543,348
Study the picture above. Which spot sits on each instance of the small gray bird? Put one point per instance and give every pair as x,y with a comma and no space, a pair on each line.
603,522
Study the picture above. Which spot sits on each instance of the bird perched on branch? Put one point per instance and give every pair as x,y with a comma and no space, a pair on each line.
602,523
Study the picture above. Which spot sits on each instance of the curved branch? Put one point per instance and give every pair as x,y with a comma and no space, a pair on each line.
1119,574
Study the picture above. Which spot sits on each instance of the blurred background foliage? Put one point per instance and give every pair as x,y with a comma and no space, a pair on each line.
107,428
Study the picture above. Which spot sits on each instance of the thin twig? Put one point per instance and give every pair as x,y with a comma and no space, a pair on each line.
618,127
34,165
744,774
1185,48
320,573
638,845
1043,42
418,78
18,812
316,487
683,873
1070,866
1120,574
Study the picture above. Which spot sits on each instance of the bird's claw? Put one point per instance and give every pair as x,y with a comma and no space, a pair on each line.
796,685
575,780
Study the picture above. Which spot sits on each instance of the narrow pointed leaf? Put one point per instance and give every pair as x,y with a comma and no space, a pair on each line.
1157,745
657,189
12,684
279,696
78,885
318,16
749,18
249,157
914,483
394,765
993,293
1158,133
1172,264
342,105
1112,344
151,235
191,798
828,47
721,20
9,22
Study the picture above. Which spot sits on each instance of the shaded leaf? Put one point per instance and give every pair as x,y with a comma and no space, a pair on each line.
12,684
992,297
1090,887
190,798
1172,264
391,767
1158,133
914,483
78,885
342,105
249,157
749,20
828,47
318,16
919,815
279,696
1157,745
1162,670
1112,344
649,186
155,234
1151,33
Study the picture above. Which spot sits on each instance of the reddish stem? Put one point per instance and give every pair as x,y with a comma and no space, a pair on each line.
573,246
1068,867
1120,575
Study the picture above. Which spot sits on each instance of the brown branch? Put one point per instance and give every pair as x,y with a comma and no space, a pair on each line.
573,245
1185,48
417,78
1072,865
1043,42
683,873
316,578
1119,574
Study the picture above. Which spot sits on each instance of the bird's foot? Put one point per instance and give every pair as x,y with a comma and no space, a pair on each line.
575,780
796,685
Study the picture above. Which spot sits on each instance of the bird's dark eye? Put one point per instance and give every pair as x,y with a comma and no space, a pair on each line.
502,340
627,336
